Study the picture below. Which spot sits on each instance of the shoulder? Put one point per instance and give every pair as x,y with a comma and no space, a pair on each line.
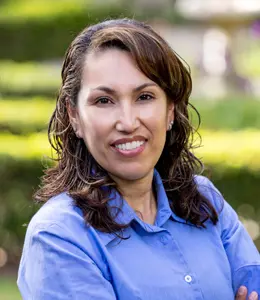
60,210
60,218
227,215
57,222
228,218
59,239
208,190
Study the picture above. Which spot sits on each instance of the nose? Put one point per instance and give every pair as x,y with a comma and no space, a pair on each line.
128,119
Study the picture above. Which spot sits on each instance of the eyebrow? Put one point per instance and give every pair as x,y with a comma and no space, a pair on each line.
113,92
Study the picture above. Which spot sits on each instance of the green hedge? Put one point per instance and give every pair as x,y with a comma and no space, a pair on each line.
229,113
43,29
28,10
24,10
25,115
38,30
48,36
29,79
19,178
237,149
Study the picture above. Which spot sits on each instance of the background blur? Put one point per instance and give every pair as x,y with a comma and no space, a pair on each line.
220,40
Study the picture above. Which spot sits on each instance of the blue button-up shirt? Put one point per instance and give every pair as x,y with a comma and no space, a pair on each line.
65,259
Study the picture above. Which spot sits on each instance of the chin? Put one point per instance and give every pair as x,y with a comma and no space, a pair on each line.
133,173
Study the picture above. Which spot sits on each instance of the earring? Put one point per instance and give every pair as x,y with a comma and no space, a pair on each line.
170,125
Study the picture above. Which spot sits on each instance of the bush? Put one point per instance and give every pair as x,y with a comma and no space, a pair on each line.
43,29
25,116
19,10
28,79
239,149
19,178
36,34
20,147
231,113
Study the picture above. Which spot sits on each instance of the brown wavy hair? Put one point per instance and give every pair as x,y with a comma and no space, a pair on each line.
177,165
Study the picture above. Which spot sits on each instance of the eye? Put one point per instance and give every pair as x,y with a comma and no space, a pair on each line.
146,97
103,100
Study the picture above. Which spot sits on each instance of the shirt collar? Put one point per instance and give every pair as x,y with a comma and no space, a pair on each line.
164,211
163,208
123,213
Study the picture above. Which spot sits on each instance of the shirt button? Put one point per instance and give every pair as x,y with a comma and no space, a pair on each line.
164,239
188,278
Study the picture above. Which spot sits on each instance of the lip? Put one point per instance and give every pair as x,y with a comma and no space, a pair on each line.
130,153
137,138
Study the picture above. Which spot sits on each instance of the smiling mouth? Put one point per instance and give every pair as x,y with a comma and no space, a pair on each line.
129,149
129,145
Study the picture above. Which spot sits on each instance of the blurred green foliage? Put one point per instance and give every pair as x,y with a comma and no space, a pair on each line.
33,145
232,113
17,10
20,177
42,29
237,150
38,31
8,289
247,62
27,78
33,113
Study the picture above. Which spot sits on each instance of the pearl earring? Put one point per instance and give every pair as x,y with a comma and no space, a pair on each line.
170,125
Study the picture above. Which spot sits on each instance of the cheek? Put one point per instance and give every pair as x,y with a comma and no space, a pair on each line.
155,118
95,131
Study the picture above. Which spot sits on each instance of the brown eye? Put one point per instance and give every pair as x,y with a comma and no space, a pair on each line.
104,100
146,97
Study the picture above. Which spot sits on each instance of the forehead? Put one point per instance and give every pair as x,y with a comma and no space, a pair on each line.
112,67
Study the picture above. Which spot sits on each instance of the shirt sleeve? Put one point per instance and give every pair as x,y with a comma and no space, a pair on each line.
242,254
54,267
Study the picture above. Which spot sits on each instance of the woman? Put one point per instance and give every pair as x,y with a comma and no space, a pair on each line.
126,217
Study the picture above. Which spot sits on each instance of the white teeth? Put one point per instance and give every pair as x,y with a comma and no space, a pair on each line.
130,146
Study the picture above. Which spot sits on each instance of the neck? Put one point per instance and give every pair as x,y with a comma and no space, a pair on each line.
140,196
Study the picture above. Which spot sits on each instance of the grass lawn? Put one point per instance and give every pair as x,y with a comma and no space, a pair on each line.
8,289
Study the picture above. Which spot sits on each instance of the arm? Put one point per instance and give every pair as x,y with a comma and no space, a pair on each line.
243,256
54,267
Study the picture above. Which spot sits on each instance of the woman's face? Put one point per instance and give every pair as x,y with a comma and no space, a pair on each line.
121,114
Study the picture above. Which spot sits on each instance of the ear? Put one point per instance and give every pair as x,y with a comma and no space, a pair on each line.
74,118
170,112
